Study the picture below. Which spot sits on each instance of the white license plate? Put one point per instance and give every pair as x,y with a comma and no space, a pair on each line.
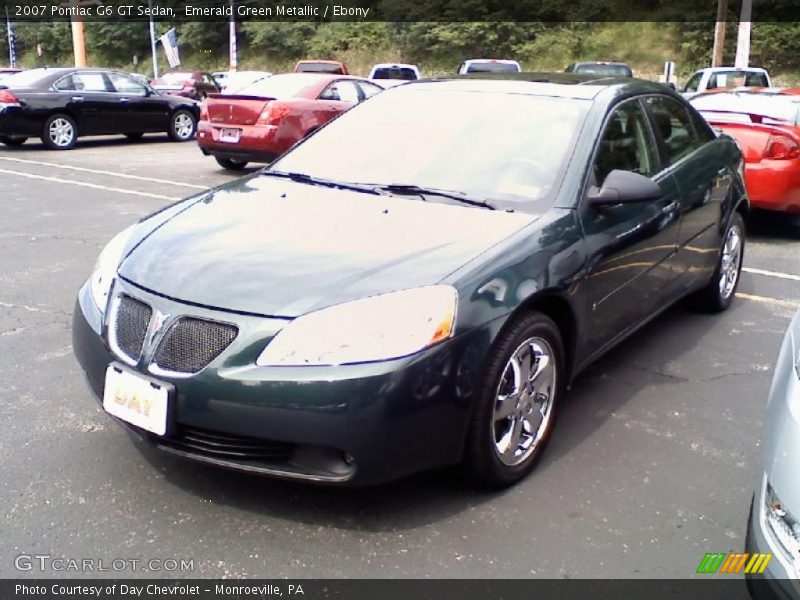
229,135
139,401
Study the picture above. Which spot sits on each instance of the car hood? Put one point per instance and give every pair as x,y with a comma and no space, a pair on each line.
278,248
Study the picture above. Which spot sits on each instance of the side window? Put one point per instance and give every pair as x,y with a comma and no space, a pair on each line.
340,91
674,126
89,82
626,144
368,89
65,84
693,83
124,84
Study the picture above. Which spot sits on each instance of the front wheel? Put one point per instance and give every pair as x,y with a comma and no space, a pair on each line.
182,126
231,164
13,141
718,294
518,395
59,132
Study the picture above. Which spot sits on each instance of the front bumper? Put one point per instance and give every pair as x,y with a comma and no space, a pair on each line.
356,424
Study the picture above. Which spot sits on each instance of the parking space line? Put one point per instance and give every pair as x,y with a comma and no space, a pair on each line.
98,172
764,299
771,273
90,185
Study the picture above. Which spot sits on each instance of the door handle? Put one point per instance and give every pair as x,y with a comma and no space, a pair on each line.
77,98
124,100
671,207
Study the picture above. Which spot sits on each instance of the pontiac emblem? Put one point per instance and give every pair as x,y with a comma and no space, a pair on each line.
158,322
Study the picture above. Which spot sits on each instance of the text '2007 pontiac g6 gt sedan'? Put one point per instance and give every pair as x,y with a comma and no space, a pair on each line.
415,285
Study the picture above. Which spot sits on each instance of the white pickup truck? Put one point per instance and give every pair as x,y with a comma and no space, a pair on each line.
715,78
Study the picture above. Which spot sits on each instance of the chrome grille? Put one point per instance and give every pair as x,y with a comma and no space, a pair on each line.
190,344
130,326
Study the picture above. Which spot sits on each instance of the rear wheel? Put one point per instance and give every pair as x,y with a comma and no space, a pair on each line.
518,395
12,140
59,132
134,137
182,126
718,294
231,164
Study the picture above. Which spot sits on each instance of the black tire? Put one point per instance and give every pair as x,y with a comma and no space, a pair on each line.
716,297
66,138
182,126
134,137
482,456
12,141
231,164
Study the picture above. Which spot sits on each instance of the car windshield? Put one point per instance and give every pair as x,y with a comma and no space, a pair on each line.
395,73
319,68
236,81
279,87
506,148
492,67
604,70
174,78
737,107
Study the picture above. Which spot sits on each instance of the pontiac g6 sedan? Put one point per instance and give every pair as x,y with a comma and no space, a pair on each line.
415,285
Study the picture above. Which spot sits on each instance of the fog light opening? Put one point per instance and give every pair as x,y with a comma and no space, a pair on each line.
782,524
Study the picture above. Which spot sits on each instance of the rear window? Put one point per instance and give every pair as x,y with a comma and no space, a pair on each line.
395,73
319,68
734,79
280,87
176,77
743,107
605,70
26,78
492,67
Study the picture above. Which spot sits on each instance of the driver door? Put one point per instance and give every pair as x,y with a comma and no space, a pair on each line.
630,245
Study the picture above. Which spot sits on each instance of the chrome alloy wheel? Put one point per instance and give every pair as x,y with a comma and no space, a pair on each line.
523,401
184,126
61,132
730,261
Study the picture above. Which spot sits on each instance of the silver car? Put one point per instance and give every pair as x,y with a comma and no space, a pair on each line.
774,526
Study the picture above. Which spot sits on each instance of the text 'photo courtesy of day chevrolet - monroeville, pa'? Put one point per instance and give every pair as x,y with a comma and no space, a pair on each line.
399,299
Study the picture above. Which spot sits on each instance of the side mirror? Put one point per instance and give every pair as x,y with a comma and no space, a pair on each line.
622,187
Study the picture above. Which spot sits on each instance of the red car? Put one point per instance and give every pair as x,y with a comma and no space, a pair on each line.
268,117
321,66
766,123
189,84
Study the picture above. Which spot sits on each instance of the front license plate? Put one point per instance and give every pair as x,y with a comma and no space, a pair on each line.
137,400
230,136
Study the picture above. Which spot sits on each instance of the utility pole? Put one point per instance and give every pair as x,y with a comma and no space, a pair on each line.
719,33
78,39
233,50
743,41
12,54
153,47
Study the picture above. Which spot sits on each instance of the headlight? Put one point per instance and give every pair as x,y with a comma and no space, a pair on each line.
377,328
106,267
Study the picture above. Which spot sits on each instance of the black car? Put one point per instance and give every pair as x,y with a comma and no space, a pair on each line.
416,284
59,105
601,69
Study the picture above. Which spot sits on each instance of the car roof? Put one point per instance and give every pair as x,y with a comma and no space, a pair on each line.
603,62
394,66
507,61
566,85
732,68
324,62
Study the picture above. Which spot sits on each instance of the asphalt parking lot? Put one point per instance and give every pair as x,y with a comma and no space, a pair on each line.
652,463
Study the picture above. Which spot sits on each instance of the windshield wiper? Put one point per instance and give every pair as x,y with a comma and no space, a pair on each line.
311,180
407,189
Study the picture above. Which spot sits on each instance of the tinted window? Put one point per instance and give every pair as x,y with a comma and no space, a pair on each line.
626,144
395,73
675,126
604,70
449,139
27,78
492,67
126,85
83,82
319,68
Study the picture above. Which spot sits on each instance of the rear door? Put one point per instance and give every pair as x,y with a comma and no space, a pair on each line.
86,95
630,246
704,178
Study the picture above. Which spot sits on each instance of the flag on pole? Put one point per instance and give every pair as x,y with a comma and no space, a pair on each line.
170,43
